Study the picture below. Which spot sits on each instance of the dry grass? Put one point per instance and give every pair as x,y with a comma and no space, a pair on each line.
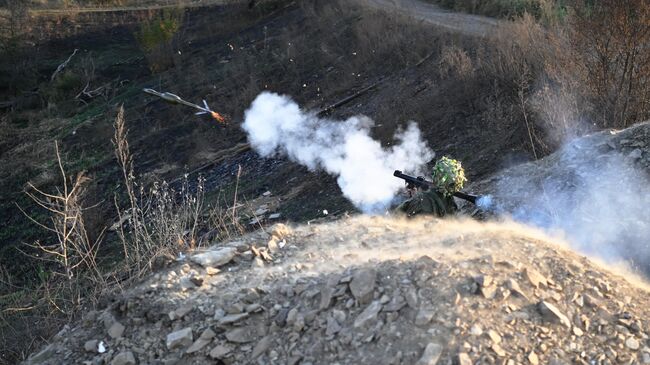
159,224
548,11
159,221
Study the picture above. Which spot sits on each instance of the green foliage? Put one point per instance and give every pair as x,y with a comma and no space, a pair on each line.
159,30
156,38
68,82
448,175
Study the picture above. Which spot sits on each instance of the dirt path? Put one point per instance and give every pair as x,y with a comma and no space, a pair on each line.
180,4
468,24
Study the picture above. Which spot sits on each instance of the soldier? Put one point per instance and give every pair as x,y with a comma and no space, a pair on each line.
449,177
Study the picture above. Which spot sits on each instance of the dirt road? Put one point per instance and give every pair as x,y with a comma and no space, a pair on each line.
139,7
468,24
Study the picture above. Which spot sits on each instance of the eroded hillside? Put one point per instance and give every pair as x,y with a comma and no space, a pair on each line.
371,290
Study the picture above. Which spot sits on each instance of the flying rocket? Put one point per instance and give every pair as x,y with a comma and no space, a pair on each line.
175,99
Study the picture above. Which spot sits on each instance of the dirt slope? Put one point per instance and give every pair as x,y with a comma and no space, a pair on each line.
372,290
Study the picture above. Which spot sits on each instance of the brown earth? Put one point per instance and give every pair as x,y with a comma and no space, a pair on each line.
372,290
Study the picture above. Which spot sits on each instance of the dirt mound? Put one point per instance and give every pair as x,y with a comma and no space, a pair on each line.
371,291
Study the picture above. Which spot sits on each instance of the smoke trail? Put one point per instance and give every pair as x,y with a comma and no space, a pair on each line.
364,169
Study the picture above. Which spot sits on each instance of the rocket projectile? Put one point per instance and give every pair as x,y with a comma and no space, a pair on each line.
175,99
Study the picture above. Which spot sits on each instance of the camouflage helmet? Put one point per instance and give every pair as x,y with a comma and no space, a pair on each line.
448,176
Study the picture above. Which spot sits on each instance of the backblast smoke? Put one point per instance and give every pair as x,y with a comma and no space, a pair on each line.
595,197
364,169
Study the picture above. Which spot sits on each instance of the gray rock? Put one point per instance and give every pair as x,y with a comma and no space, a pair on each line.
476,330
632,343
43,355
553,314
395,304
182,311
645,358
514,287
535,277
180,338
219,352
241,335
116,330
339,315
636,154
590,300
423,317
261,347
215,258
203,340
91,346
232,318
235,308
431,355
369,314
326,295
124,358
291,316
362,285
219,313
252,308
333,326
186,283
411,297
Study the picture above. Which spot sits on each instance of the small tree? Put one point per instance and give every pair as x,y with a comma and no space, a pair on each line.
611,38
73,250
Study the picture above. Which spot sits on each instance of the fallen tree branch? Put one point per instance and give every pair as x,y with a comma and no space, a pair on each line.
63,65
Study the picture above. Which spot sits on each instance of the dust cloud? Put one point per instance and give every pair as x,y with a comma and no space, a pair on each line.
597,200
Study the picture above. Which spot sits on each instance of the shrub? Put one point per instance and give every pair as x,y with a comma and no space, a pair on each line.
156,38
611,40
160,221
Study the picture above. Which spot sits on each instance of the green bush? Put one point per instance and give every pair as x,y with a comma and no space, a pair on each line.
156,38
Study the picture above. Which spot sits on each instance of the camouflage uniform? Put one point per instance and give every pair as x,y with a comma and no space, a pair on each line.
448,177
429,202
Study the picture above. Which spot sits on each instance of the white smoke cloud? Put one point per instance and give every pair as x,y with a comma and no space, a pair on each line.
597,199
364,169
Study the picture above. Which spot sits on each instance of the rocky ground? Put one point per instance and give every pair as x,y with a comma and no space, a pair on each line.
372,290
